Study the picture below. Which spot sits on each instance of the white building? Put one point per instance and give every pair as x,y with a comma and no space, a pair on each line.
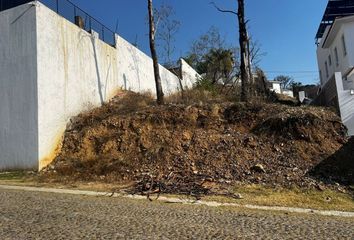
335,56
52,69
276,87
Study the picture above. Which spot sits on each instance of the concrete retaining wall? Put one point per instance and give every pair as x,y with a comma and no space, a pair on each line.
76,72
189,75
18,88
135,71
51,70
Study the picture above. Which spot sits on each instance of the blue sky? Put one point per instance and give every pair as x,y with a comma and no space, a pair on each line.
285,28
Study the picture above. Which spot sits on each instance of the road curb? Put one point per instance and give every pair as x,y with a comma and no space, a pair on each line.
181,201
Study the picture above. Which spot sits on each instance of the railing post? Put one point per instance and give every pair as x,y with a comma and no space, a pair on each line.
90,23
102,32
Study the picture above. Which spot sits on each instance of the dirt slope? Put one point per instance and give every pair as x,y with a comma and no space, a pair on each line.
201,144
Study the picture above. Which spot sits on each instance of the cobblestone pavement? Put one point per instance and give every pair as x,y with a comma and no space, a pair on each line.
32,215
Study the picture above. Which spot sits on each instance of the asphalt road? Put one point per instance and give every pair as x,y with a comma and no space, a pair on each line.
32,215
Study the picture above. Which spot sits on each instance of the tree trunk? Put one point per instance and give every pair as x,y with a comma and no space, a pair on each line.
252,90
244,68
159,92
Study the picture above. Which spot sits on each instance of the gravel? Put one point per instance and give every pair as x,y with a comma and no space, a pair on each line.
33,215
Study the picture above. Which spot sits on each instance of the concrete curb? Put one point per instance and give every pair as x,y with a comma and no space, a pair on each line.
181,201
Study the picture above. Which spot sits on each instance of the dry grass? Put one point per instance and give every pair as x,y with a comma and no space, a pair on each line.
16,177
302,198
252,194
195,96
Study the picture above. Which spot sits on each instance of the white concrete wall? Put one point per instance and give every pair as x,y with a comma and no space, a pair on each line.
346,104
136,73
18,89
276,87
189,75
289,93
77,71
302,96
51,70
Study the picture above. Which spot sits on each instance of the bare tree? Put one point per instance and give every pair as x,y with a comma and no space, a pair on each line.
159,91
286,82
256,53
245,62
166,31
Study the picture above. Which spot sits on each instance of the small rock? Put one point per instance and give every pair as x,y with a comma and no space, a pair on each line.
320,187
258,168
236,196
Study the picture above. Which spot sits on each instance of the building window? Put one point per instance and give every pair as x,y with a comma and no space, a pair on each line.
321,78
330,60
336,56
344,46
326,66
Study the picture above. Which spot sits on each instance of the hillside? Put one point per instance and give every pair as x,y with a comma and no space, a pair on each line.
186,148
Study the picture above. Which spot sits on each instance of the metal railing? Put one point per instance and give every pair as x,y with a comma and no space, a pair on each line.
76,15
7,4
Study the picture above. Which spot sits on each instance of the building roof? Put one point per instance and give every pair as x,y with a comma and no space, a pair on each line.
335,9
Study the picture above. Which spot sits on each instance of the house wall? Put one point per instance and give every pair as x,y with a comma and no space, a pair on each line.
276,87
345,61
18,89
346,104
77,72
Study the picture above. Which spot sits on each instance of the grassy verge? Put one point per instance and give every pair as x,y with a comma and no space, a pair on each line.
252,194
14,176
302,198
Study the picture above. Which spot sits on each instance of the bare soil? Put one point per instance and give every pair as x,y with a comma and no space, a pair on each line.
193,148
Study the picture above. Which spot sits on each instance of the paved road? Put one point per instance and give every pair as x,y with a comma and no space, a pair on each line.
31,215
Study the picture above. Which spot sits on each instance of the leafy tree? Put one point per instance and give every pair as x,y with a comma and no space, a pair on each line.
219,64
212,39
152,31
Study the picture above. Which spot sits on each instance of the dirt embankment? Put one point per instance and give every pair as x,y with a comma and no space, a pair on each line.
202,144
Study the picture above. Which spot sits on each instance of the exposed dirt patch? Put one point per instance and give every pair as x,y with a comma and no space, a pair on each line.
192,149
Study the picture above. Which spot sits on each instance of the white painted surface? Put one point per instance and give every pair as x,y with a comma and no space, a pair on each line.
136,73
275,87
289,93
302,96
189,75
341,27
18,90
346,104
76,72
51,70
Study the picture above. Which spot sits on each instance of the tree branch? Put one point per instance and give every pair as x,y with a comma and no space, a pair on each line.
223,10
